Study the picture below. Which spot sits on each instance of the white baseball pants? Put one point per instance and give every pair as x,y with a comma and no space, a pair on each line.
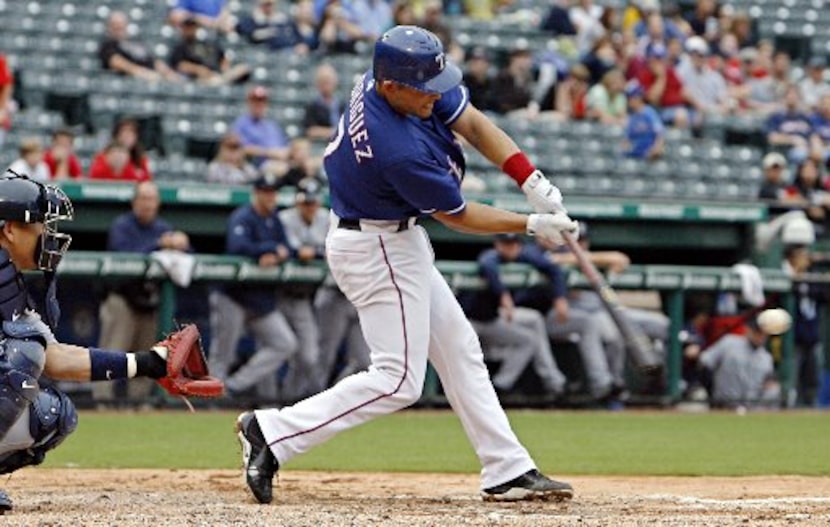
408,314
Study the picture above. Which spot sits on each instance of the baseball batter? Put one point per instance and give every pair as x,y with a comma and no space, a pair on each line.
394,158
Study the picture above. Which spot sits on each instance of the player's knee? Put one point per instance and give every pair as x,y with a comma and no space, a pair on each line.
404,386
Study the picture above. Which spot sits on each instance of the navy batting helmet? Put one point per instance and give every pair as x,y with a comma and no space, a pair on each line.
28,201
414,57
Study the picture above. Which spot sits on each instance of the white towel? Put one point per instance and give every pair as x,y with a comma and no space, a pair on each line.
752,285
178,265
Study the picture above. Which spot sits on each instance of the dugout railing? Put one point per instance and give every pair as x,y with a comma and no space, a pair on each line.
672,282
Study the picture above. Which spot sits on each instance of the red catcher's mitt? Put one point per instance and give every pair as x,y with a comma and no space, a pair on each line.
187,371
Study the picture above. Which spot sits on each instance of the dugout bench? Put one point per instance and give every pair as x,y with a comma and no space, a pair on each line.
672,281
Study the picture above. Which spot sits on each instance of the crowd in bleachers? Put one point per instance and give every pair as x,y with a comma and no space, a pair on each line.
688,100
712,77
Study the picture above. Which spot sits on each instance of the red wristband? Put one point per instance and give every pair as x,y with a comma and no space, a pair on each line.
518,167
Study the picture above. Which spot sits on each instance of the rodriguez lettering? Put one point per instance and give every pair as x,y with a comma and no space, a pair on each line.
358,135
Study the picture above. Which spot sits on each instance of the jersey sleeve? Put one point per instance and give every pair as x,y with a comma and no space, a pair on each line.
452,103
426,186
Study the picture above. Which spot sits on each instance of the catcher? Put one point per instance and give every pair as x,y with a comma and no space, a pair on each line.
35,417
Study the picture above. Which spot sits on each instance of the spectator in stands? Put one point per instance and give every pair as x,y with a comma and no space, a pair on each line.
572,94
656,29
703,20
306,23
478,78
781,72
809,190
513,86
113,163
790,128
705,85
230,167
121,54
403,13
264,140
516,335
31,161
301,164
762,95
741,370
814,84
306,225
269,26
323,112
61,158
741,27
606,100
592,23
774,187
644,132
254,231
601,59
665,91
211,14
127,132
600,342
484,9
204,60
6,100
347,25
820,122
129,313
557,21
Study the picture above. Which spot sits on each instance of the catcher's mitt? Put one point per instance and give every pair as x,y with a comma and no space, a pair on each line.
187,371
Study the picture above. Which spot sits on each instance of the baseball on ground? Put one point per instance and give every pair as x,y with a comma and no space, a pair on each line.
774,321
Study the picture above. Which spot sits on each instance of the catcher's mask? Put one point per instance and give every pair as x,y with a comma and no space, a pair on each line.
28,201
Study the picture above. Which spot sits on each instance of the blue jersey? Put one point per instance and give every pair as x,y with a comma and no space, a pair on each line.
642,131
383,165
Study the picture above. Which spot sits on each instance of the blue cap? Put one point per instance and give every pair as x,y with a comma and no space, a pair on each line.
415,57
634,89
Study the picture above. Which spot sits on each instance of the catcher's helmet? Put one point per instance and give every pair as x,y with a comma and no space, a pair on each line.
415,57
28,201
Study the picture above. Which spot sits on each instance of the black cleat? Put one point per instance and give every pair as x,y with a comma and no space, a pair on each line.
259,463
532,485
5,502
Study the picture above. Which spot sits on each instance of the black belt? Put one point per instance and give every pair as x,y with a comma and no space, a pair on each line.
354,225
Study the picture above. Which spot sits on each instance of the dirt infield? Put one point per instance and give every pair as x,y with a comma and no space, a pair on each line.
58,497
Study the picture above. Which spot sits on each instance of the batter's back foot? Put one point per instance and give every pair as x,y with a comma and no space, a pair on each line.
259,463
532,485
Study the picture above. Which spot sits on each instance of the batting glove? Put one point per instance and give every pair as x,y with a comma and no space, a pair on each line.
542,195
550,227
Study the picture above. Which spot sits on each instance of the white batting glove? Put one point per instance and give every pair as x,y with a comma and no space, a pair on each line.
549,227
542,195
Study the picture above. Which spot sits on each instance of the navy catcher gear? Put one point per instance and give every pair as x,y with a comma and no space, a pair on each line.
27,201
52,417
414,57
21,362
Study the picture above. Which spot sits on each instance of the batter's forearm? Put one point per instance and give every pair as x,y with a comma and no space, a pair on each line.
478,218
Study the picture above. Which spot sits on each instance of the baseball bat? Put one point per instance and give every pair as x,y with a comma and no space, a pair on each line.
639,345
